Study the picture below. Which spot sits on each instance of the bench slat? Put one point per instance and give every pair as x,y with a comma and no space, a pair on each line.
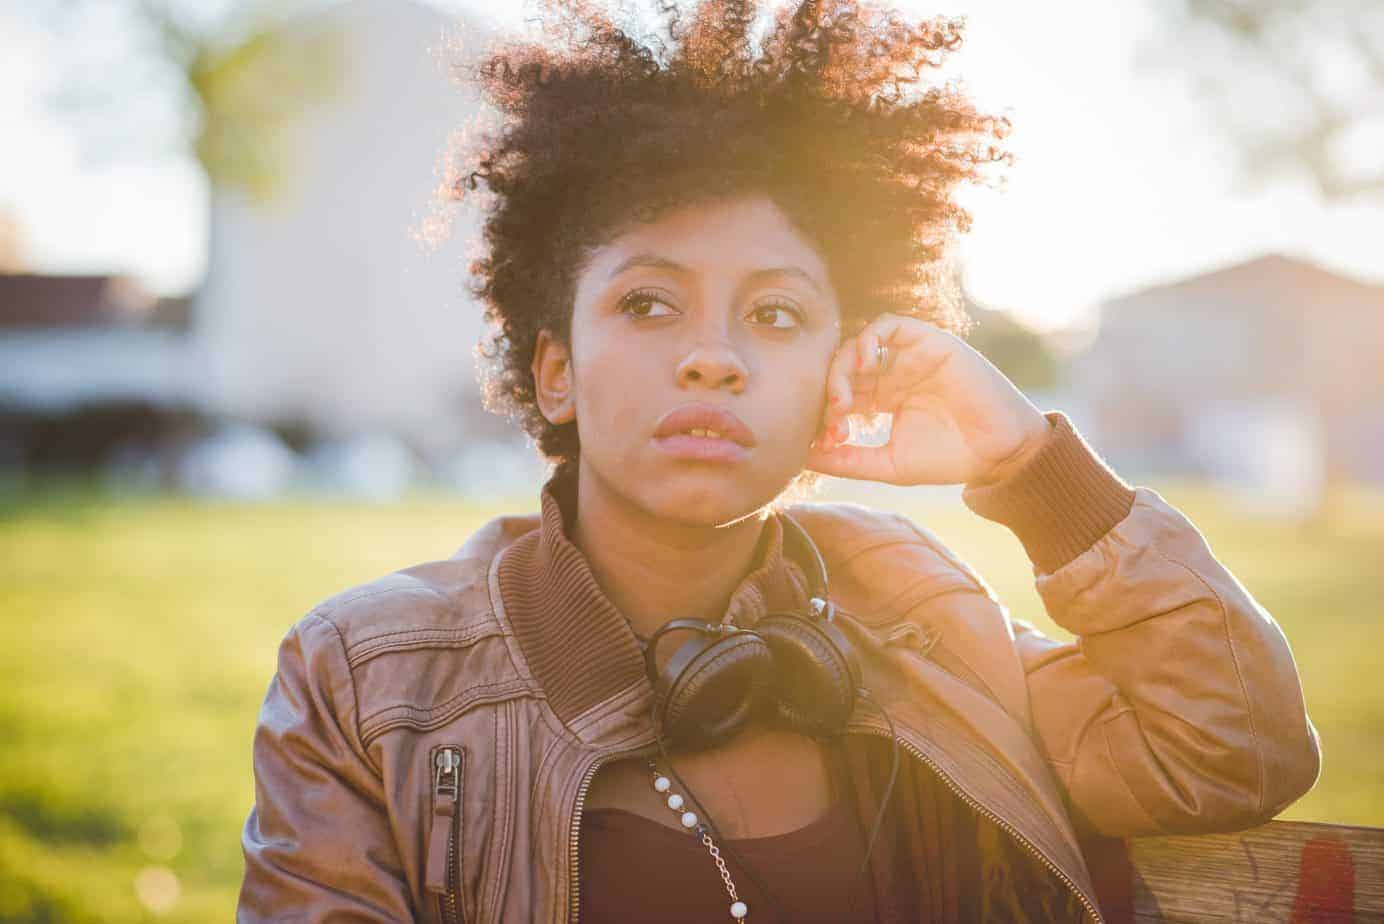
1289,871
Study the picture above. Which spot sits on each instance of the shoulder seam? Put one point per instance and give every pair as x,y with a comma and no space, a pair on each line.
355,694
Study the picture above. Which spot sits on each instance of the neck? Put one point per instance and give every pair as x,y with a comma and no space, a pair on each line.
643,561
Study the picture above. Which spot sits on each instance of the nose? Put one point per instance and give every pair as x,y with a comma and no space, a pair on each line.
714,365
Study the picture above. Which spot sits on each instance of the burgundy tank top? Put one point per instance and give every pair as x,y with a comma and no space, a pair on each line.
636,869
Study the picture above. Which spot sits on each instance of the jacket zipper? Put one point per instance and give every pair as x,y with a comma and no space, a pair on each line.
951,784
1023,841
442,836
574,904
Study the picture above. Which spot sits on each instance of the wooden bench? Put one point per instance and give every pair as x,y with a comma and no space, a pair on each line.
1289,871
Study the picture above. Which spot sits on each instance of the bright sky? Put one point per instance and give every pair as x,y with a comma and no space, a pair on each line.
1119,182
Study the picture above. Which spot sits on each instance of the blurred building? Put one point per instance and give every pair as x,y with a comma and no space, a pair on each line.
1274,362
69,340
88,365
322,306
325,327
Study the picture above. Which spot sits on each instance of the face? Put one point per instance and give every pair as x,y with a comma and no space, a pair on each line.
696,371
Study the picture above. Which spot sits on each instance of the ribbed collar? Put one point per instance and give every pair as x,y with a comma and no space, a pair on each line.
578,646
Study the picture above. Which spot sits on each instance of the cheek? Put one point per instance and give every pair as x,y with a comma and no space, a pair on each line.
801,395
606,378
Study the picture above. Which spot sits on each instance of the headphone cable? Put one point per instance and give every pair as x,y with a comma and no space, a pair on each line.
893,775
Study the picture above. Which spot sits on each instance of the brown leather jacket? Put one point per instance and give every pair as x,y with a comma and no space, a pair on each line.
425,747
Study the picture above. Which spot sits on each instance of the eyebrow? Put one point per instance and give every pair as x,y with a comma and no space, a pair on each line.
657,262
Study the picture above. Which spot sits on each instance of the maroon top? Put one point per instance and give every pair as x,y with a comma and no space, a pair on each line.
637,869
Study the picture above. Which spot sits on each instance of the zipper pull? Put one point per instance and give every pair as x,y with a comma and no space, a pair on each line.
446,792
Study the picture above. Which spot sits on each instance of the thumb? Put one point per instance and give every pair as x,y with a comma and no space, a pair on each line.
868,463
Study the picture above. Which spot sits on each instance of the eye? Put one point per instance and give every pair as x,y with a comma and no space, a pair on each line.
781,315
646,303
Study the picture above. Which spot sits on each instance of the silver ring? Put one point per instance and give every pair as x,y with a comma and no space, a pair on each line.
882,357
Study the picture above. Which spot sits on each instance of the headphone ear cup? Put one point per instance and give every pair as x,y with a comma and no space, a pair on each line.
815,676
709,686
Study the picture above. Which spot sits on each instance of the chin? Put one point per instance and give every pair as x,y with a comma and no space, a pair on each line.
711,496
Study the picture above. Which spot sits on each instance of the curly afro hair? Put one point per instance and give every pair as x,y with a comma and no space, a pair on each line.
818,108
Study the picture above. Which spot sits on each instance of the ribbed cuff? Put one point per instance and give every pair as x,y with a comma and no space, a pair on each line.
1060,502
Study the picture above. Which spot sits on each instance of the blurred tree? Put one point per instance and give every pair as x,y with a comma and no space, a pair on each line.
1297,85
222,81
1018,351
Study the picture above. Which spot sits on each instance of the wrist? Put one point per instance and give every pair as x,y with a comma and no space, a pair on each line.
1040,433
1060,503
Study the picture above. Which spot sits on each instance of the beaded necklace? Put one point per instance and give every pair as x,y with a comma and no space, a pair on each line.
738,909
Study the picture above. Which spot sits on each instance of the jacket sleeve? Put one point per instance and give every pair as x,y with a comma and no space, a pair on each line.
317,842
1178,708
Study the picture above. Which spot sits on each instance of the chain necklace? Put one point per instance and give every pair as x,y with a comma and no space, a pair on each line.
662,785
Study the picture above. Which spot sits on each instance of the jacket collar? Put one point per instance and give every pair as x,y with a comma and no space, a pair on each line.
578,646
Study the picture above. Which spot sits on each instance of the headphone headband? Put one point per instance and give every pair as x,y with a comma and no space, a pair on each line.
794,534
692,625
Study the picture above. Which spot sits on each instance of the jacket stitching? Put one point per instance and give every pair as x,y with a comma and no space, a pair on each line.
1085,730
1239,676
956,653
1035,814
597,712
544,769
1110,755
415,645
355,694
486,898
891,608
470,692
866,547
460,634
366,594
986,688
416,638
426,719
506,831
971,575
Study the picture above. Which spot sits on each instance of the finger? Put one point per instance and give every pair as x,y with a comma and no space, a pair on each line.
867,358
865,368
832,434
840,394
873,364
870,463
915,348
901,330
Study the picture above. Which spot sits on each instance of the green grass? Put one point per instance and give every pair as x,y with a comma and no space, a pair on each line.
139,634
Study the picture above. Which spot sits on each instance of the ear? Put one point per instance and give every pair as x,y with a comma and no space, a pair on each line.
552,379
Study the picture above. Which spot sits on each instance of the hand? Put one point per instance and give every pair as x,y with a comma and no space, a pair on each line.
956,418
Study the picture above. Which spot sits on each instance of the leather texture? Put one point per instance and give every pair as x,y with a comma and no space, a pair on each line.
1177,709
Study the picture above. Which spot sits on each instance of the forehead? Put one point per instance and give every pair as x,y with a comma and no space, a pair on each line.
732,236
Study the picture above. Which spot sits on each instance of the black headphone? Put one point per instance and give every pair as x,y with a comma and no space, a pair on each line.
798,666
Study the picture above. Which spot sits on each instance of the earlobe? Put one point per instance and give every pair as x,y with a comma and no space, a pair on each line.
552,379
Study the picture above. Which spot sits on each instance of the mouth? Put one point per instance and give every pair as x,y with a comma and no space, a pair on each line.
704,432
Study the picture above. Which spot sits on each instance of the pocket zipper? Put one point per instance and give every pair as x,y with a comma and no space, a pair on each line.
442,860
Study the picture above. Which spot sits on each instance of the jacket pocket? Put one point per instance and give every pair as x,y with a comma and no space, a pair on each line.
443,876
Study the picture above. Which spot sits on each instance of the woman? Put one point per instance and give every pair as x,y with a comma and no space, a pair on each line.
702,259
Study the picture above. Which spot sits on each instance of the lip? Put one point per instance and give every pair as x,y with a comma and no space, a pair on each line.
732,445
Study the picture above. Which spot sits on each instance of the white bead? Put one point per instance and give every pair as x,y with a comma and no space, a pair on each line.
662,784
689,819
739,909
675,802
